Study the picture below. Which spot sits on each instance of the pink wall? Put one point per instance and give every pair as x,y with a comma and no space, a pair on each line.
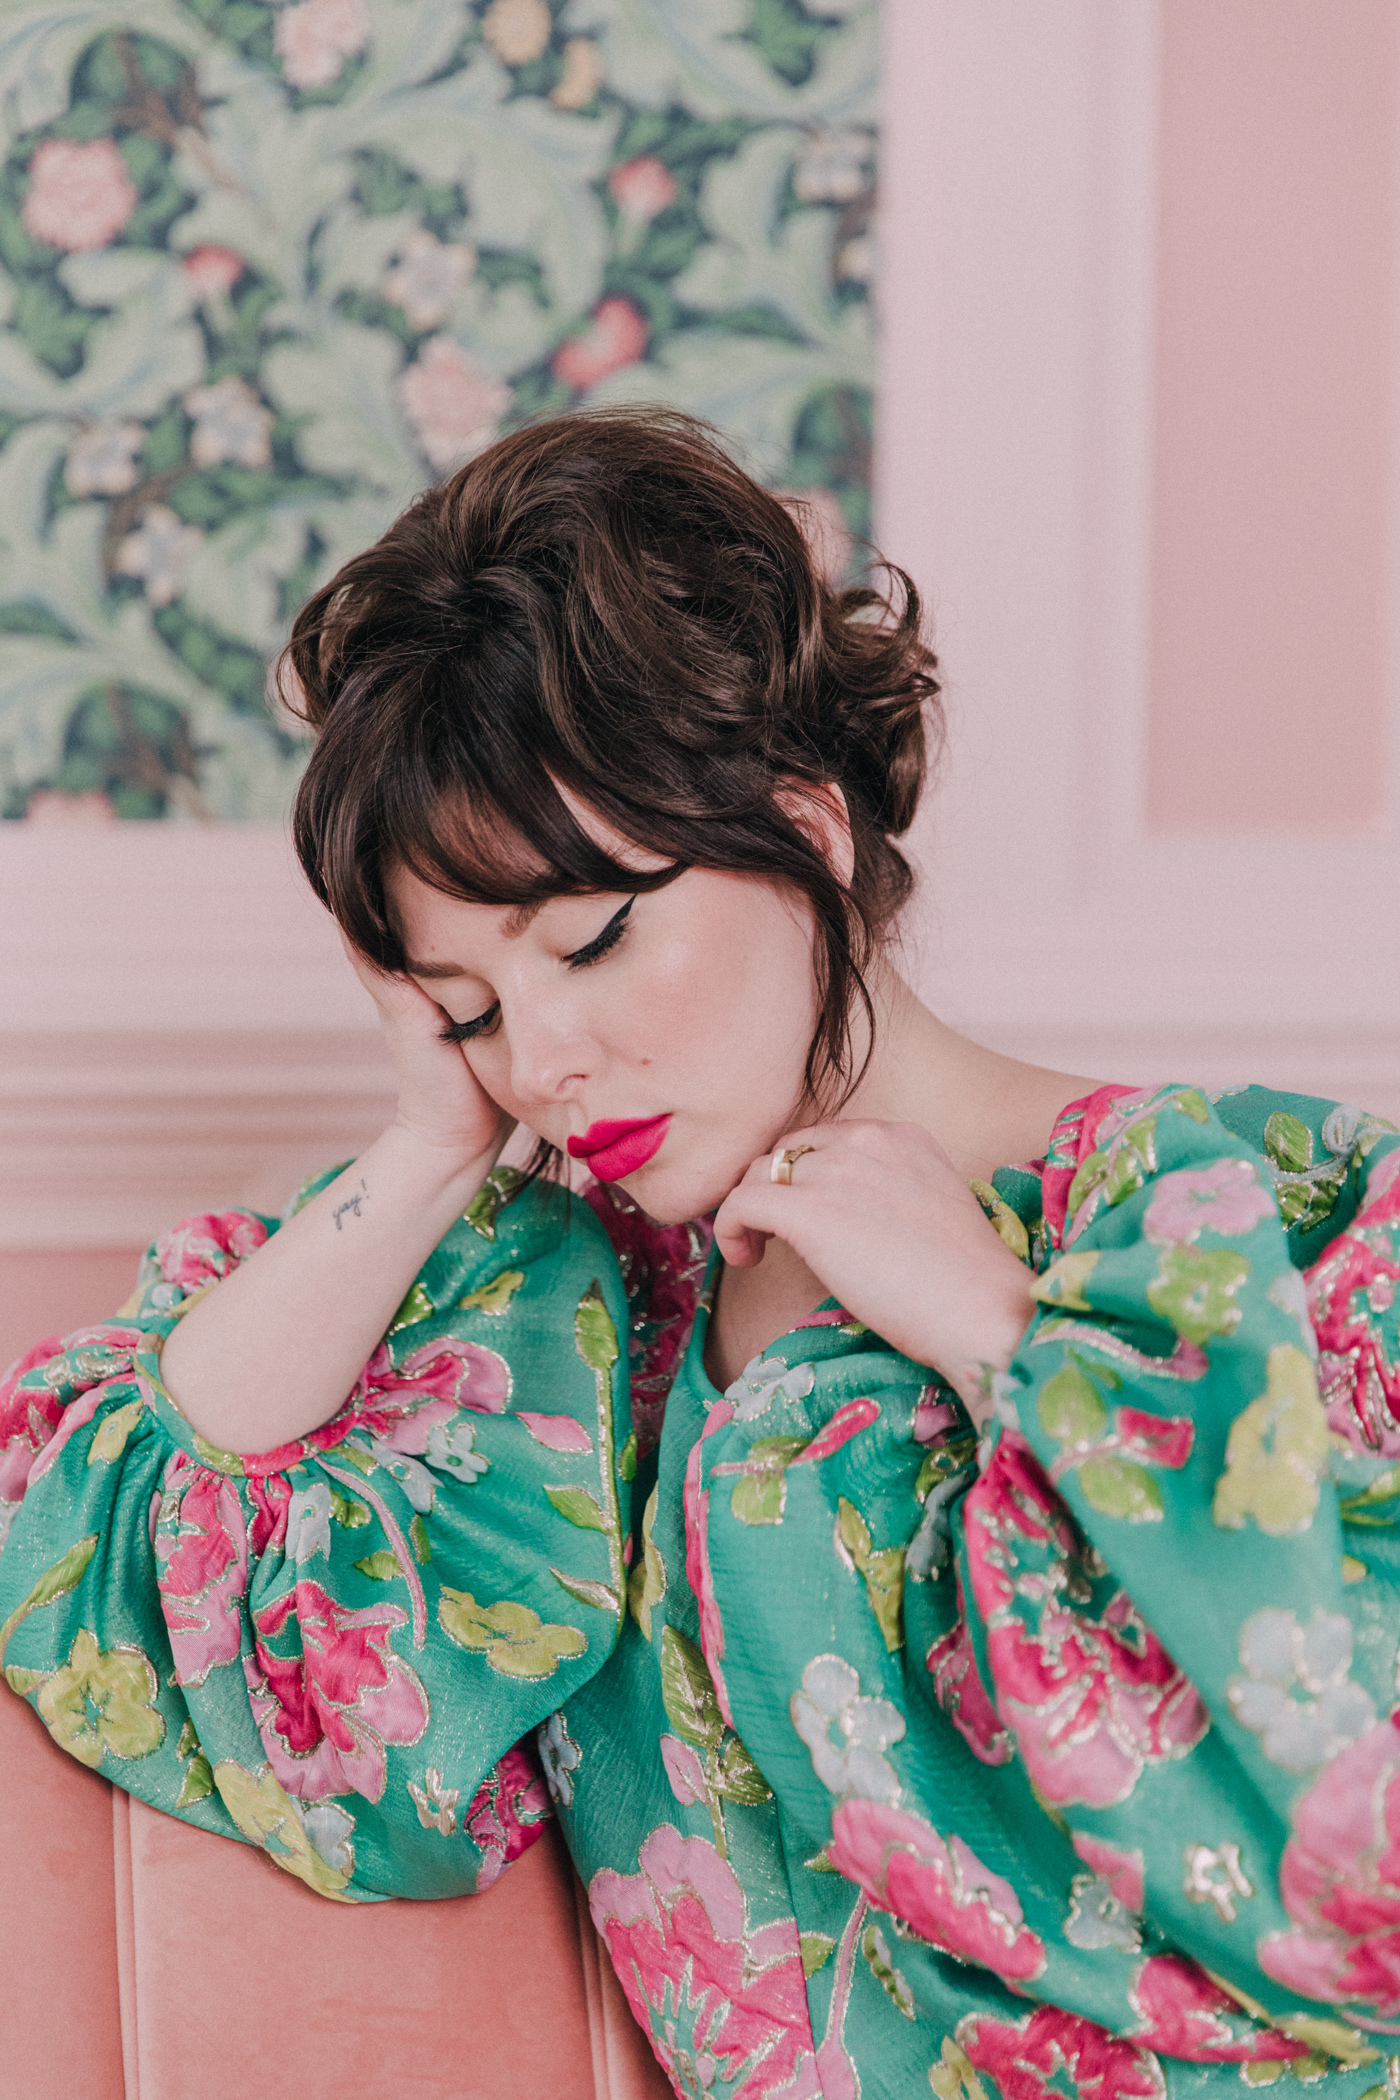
1137,444
1279,169
48,1291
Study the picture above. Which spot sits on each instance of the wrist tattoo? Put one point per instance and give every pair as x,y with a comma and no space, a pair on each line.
351,1203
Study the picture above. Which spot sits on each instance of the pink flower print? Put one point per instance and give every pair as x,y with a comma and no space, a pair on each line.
556,1432
1340,1883
314,39
681,1944
1351,1290
697,1556
269,1494
1226,1197
1185,2015
326,1713
1074,1137
932,1415
1121,1870
1047,2050
29,1415
80,194
684,1771
506,1814
937,1885
848,1421
453,406
642,188
214,271
963,1696
202,1568
449,1370
201,1249
1091,1697
616,336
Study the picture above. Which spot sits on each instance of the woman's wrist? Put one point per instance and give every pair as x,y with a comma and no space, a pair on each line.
992,1324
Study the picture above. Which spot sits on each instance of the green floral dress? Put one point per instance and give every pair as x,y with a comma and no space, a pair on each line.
891,1760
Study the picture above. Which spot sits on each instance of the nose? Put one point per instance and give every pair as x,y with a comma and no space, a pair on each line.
551,1055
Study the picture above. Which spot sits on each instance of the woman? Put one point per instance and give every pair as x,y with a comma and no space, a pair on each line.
898,1495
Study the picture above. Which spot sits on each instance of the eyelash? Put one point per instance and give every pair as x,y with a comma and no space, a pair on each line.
592,951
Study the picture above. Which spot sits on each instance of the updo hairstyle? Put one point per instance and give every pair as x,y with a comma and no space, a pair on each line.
607,603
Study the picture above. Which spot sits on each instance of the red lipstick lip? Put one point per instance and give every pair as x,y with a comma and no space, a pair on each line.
614,1150
599,1136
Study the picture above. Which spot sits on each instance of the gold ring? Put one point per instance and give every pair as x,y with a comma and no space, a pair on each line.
781,1168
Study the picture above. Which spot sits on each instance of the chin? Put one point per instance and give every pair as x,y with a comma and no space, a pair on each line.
672,1194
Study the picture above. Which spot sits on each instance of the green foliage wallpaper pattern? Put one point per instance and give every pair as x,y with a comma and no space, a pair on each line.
267,268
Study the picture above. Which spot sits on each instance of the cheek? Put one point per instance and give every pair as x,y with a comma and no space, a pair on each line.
732,997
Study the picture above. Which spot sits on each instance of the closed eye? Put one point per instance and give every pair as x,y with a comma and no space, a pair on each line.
600,944
592,951
467,1031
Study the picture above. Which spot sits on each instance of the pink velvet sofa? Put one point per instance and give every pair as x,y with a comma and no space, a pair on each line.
146,1961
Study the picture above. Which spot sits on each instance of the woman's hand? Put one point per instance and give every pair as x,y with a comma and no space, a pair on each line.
880,1214
442,1103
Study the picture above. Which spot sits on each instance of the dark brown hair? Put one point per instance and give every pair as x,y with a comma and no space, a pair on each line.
607,603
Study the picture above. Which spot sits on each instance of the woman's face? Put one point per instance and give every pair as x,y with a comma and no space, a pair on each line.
683,1014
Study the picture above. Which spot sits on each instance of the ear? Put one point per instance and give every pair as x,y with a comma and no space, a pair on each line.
818,808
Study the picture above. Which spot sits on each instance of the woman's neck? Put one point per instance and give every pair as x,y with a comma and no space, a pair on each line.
984,1109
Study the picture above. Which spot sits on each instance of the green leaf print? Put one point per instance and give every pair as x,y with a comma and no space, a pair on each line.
221,1461
198,1782
101,1700
646,1584
268,1816
627,1458
1277,1451
1288,1142
493,1297
595,1594
55,1582
738,1778
1121,1488
1194,1291
382,1566
577,1506
1193,1103
883,1571
109,1440
1064,1282
595,1336
418,1539
817,1949
759,1495
347,1510
1071,1408
496,1192
416,1306
1133,1157
688,1691
875,1948
513,1638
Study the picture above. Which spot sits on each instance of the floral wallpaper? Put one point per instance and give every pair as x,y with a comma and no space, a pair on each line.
267,268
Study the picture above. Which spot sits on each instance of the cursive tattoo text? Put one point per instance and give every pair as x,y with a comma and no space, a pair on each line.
351,1203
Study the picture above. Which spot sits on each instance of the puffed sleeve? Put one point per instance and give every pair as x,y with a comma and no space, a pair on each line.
330,1650
1102,1713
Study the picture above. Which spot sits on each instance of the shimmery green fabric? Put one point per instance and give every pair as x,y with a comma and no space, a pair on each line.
1060,1762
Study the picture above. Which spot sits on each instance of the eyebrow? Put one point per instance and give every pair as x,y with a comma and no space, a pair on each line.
514,924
